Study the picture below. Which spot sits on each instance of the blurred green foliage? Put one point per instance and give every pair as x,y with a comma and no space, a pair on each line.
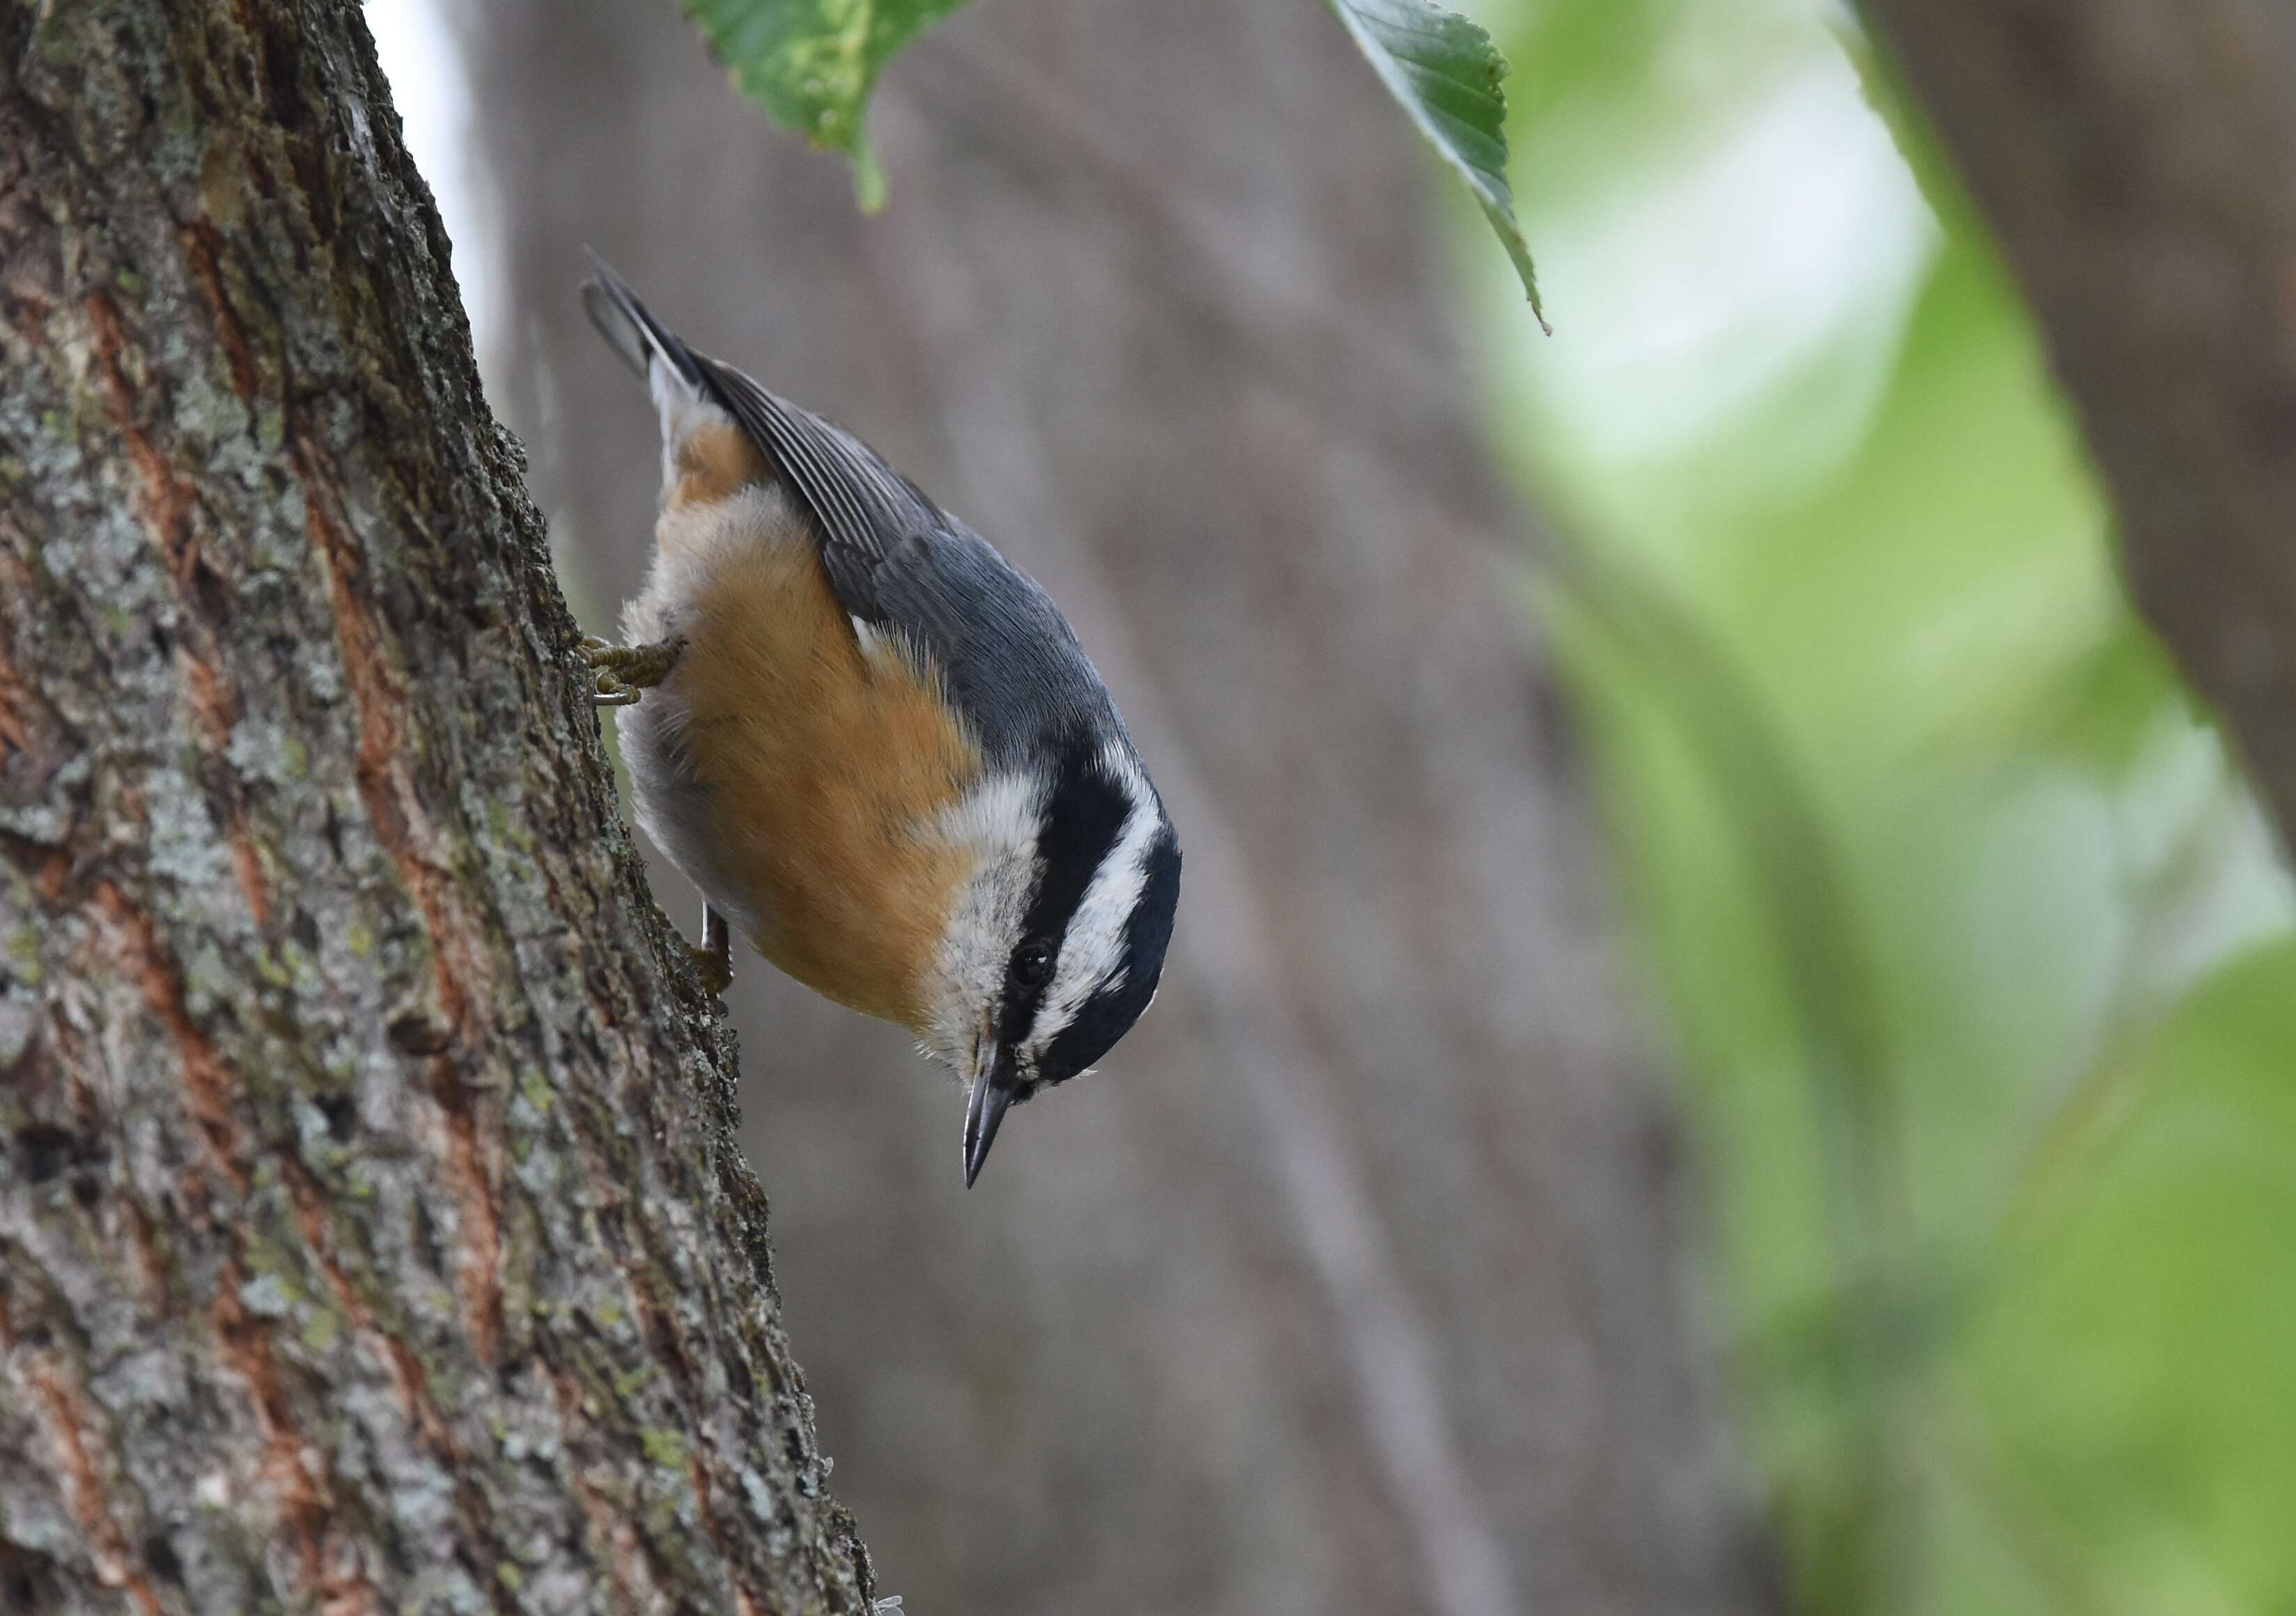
1976,954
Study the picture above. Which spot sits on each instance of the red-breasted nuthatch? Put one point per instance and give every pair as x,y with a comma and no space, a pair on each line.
876,746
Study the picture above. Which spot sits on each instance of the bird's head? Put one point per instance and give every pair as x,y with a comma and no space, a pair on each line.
1056,939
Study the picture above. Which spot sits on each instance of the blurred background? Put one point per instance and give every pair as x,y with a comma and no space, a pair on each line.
1728,1047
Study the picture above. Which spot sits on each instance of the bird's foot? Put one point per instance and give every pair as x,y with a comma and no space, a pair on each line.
620,673
713,960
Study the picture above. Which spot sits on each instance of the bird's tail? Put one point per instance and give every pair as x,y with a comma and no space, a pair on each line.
631,330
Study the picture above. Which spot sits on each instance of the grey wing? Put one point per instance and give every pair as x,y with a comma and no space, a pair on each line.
863,507
1009,659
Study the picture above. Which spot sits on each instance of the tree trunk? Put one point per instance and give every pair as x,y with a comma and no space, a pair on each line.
1355,1281
372,1237
2137,160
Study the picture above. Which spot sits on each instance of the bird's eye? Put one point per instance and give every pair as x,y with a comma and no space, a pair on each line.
1032,963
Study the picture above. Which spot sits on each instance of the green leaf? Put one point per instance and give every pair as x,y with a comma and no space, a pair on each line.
810,63
1446,73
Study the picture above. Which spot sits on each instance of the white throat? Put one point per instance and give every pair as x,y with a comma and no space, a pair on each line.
997,822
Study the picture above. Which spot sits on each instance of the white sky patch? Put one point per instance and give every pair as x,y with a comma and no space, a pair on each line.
1796,238
431,88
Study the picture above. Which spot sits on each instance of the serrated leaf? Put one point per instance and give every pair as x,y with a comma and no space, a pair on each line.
810,63
1447,75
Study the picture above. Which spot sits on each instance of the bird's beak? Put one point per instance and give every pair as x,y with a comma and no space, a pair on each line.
993,1087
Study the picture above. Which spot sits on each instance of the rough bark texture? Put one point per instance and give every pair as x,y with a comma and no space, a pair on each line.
2137,160
372,1237
1354,1281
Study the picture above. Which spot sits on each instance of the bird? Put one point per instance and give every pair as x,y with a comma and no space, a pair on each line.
876,745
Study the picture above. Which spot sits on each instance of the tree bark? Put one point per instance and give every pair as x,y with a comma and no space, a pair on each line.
1357,1281
372,1235
2137,160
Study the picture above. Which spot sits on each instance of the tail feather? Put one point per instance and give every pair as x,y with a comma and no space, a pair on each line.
630,329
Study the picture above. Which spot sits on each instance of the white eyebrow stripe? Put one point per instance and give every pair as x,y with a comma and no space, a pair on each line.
1091,951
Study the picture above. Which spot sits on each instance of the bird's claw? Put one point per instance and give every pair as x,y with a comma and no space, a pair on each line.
715,967
621,674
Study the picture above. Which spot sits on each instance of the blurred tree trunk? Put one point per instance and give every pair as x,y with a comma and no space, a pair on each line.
2137,160
372,1234
1356,1281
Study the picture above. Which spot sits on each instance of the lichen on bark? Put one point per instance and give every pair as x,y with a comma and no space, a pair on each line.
372,1235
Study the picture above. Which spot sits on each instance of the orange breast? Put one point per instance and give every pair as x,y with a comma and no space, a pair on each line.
714,459
828,766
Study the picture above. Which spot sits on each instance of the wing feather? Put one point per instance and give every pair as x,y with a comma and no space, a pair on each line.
867,511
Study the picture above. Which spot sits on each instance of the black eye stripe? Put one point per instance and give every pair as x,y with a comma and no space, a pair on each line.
1082,820
1108,1016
